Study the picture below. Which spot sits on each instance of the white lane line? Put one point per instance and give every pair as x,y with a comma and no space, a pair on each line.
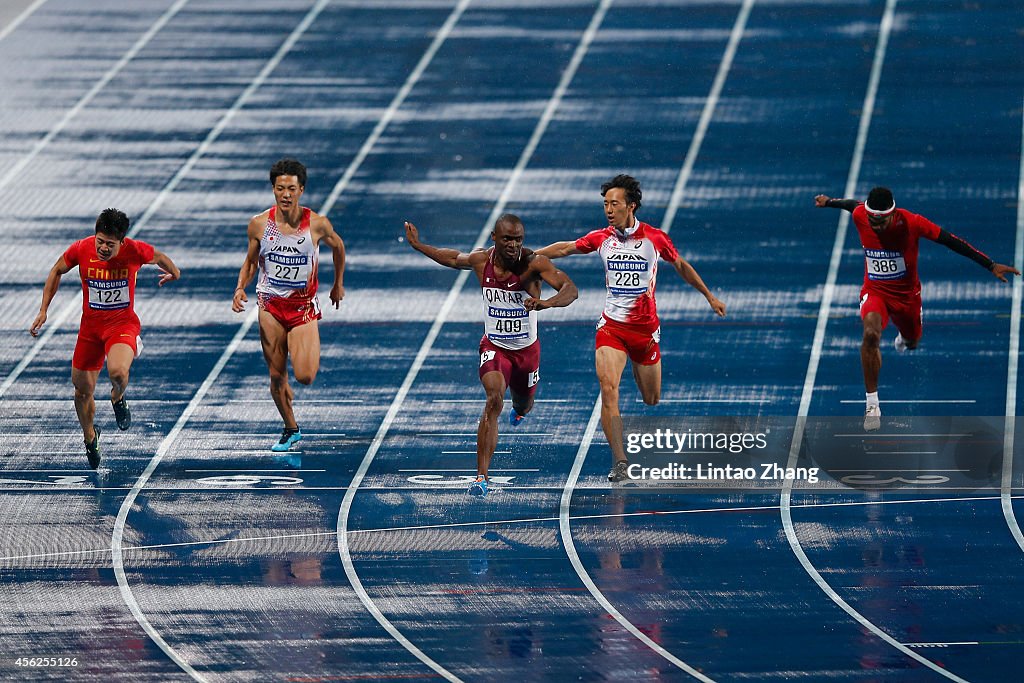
252,316
435,328
785,506
1012,365
711,400
871,436
493,522
565,531
471,469
26,13
343,549
470,453
58,321
270,400
473,434
677,193
916,400
481,400
126,505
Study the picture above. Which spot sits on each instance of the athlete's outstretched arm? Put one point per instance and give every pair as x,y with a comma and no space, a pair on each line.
558,249
168,271
452,258
249,266
333,240
687,272
566,294
49,290
823,200
964,248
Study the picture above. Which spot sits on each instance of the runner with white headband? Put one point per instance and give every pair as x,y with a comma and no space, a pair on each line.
892,290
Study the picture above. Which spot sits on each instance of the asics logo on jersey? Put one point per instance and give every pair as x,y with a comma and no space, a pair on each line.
301,240
639,243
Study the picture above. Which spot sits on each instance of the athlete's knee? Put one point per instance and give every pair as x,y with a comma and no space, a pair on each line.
494,405
872,337
118,376
83,393
305,376
278,381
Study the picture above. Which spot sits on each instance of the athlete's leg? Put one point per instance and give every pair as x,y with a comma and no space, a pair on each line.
648,380
304,348
274,339
522,403
870,351
119,362
487,431
609,363
85,385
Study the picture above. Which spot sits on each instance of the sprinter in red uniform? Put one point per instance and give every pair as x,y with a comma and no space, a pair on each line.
110,331
629,329
892,289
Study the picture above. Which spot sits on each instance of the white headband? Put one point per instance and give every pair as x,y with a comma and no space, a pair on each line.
876,212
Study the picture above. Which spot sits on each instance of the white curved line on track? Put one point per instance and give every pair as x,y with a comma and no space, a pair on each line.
683,178
1012,367
885,30
439,321
126,505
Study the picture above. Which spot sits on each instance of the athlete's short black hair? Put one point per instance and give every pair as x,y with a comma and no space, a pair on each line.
113,222
628,183
880,199
288,166
508,219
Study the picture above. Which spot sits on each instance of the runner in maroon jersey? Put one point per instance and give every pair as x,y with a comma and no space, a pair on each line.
283,249
892,289
110,331
509,278
629,329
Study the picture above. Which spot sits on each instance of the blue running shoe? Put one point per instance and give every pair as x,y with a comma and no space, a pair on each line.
289,437
515,419
479,487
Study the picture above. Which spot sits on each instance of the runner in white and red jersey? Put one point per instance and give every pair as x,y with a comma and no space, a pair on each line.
510,279
283,248
110,330
892,289
629,327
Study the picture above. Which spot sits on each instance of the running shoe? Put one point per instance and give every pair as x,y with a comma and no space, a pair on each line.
872,418
479,487
92,449
515,419
619,471
289,437
123,414
900,343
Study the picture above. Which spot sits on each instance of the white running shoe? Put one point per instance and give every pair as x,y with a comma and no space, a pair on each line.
900,343
872,418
